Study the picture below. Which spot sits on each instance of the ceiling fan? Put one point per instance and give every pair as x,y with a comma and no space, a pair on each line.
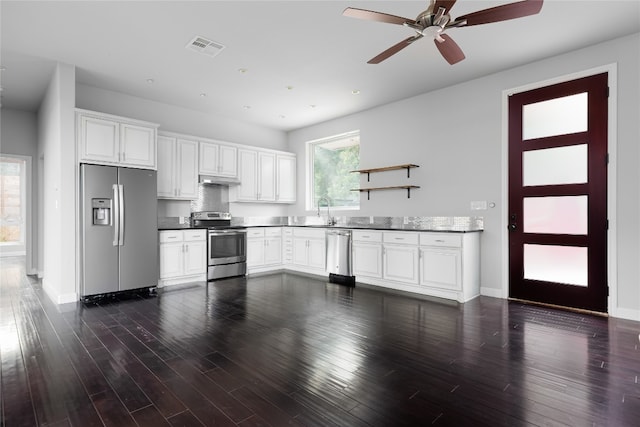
434,21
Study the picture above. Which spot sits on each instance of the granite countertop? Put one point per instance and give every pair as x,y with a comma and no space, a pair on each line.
438,224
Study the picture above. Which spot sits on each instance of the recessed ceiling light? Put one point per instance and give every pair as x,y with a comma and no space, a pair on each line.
246,107
203,95
150,81
242,70
313,105
355,92
289,87
282,116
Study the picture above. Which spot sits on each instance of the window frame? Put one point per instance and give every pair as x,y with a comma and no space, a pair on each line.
310,204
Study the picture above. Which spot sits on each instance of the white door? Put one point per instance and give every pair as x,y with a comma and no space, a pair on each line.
255,252
187,170
317,253
273,251
286,179
209,153
137,145
441,267
99,140
300,251
248,169
171,260
267,177
166,166
367,259
228,164
401,263
195,257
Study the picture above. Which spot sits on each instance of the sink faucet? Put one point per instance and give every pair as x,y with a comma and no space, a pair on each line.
330,220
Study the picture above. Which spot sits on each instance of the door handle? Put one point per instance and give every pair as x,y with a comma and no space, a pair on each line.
121,214
513,227
116,216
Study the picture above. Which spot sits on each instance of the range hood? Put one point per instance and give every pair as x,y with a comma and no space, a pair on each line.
218,180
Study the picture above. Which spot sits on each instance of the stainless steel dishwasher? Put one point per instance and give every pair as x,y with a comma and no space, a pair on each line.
338,263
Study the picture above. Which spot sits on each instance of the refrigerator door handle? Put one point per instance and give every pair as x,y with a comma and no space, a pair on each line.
121,208
116,216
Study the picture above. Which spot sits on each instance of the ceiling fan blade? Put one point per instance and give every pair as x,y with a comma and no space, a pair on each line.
449,49
394,49
502,13
371,15
447,4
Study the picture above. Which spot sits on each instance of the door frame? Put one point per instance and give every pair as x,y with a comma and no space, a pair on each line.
612,73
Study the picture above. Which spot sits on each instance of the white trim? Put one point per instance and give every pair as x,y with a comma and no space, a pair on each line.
612,142
27,201
308,200
58,299
626,313
492,292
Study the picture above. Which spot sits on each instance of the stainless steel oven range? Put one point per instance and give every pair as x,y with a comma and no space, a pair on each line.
226,246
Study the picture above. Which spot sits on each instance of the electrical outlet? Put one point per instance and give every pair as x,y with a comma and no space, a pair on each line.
370,220
479,205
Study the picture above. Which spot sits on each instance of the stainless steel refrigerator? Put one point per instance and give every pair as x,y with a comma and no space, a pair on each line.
119,229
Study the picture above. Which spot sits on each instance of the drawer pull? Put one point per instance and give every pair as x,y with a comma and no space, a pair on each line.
171,237
399,238
439,240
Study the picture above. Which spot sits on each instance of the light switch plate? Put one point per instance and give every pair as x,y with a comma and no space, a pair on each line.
479,205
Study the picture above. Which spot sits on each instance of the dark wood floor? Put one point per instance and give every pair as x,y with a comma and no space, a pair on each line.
285,349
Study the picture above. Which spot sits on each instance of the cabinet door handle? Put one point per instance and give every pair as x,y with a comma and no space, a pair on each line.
186,248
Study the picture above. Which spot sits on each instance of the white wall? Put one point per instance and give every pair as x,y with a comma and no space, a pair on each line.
19,135
177,119
56,145
455,135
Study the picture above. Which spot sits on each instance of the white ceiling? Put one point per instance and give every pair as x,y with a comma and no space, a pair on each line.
297,54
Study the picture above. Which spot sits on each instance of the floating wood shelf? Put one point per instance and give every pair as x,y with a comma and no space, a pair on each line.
395,187
407,166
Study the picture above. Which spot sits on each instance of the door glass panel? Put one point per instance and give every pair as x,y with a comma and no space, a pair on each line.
554,166
558,116
560,264
555,214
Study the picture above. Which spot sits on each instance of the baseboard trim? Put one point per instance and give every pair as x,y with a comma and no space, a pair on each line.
625,313
491,292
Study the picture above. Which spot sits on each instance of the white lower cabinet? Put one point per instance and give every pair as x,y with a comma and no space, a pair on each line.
400,257
183,256
309,249
440,264
367,253
264,248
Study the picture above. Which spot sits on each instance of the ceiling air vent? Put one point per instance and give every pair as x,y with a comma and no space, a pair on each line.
204,46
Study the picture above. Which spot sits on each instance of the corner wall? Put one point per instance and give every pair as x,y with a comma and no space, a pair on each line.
56,146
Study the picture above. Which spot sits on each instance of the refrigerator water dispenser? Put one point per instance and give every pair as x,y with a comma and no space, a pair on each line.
101,211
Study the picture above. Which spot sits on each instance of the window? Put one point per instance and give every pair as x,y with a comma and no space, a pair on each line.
331,161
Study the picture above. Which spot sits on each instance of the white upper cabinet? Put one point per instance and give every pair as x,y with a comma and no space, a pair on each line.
266,176
248,174
218,159
112,140
285,178
177,168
